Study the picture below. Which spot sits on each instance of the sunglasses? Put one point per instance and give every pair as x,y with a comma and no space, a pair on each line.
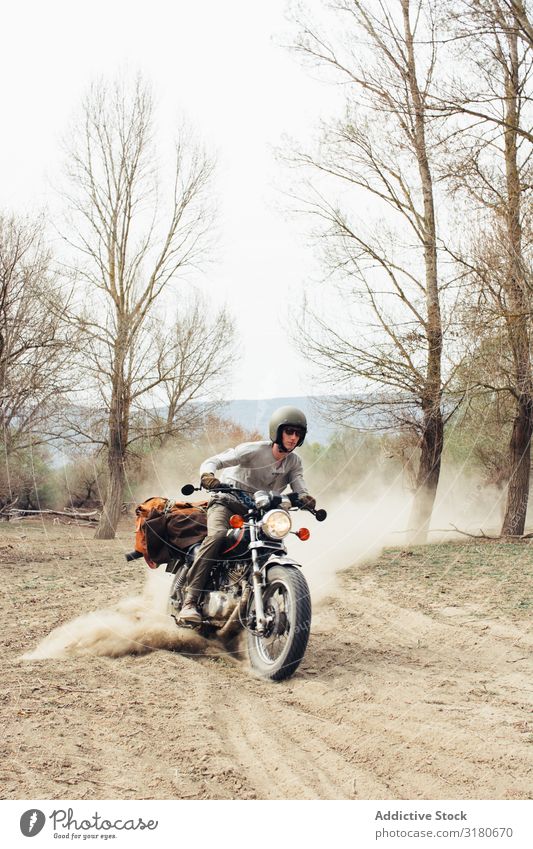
293,431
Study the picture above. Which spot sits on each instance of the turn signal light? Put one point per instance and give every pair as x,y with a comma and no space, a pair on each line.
236,521
303,534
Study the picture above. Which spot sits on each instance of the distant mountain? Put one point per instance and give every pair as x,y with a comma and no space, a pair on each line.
255,415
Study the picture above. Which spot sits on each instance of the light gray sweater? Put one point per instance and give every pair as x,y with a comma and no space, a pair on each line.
251,466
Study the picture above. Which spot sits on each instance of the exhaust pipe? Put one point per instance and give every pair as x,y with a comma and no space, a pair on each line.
240,608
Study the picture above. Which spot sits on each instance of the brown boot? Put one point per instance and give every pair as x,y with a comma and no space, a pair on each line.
189,612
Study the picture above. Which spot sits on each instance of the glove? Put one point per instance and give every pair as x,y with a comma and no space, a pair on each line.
308,502
209,481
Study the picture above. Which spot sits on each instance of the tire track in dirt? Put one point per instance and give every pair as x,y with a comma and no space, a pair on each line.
405,714
403,708
277,746
389,702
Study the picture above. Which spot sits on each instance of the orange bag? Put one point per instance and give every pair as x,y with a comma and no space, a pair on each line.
163,528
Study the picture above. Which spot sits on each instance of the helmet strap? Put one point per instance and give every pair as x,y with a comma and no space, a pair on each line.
279,441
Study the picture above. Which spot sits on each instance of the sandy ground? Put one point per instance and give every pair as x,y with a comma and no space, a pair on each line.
405,692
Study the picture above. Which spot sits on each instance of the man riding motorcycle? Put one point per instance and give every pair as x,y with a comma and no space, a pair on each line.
250,466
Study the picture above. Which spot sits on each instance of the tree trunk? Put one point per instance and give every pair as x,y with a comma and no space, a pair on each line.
428,476
119,414
433,428
518,315
114,495
518,489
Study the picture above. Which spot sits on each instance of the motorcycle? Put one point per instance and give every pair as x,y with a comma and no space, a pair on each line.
255,586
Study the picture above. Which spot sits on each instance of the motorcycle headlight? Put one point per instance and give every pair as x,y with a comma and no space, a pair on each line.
276,524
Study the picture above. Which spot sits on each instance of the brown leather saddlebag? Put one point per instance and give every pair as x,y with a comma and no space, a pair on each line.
164,528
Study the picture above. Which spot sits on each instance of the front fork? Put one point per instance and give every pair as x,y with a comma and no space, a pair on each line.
257,580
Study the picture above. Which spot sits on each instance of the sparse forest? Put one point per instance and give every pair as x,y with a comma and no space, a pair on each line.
103,349
430,318
419,195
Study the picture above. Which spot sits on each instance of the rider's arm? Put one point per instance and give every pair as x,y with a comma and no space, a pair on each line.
297,482
219,461
238,456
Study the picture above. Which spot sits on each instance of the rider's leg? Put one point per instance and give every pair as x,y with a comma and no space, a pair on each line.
217,526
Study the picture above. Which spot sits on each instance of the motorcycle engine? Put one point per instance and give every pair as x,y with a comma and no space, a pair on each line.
219,605
220,602
235,574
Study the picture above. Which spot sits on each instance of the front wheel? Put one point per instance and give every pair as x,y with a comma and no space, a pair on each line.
287,605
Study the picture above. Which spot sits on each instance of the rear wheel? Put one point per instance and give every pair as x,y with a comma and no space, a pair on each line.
287,605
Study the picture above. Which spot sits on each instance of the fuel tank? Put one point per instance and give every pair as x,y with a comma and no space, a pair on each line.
237,542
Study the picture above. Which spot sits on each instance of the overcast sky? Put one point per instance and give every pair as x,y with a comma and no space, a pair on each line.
219,64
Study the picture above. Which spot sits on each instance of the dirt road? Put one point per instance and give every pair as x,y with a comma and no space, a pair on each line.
399,696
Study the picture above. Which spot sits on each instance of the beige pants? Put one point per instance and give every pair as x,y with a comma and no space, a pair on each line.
218,514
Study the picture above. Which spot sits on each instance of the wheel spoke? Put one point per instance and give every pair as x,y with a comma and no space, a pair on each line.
277,654
277,604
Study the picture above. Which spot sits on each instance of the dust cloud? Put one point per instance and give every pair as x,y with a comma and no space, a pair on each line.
355,531
358,527
466,503
167,470
135,625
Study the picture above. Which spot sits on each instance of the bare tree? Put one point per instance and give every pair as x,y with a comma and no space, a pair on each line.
131,248
492,164
487,20
194,360
34,342
383,151
521,12
481,434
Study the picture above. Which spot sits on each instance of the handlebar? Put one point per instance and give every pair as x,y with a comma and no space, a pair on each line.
242,496
246,499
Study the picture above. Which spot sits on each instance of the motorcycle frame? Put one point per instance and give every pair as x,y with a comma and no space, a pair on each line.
259,572
258,575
